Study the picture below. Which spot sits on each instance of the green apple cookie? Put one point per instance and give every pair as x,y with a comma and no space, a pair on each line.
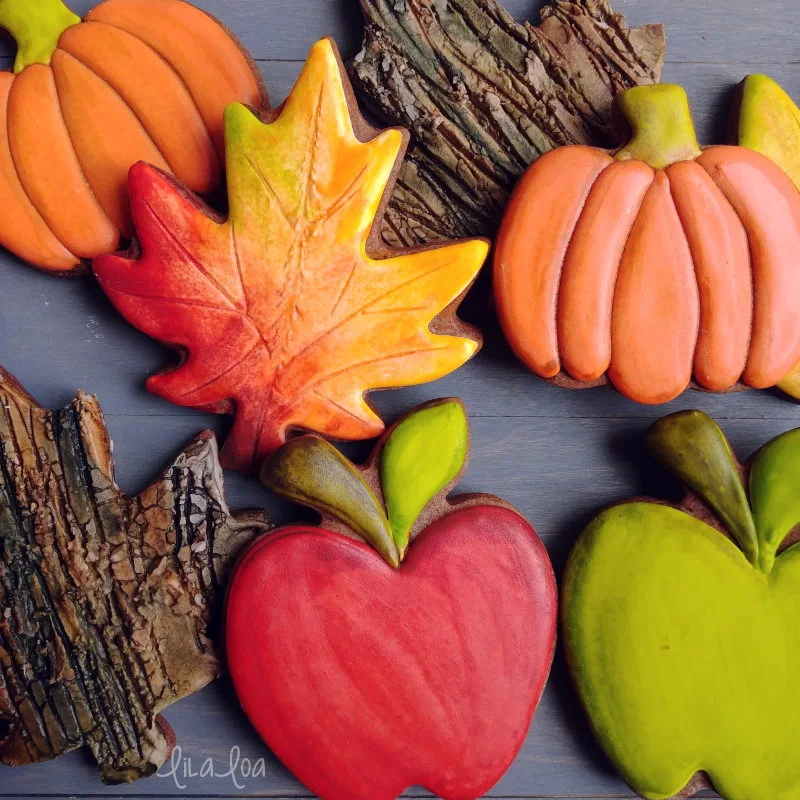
682,625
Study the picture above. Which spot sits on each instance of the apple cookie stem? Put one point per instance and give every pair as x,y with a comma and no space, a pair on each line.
692,446
420,457
661,121
36,26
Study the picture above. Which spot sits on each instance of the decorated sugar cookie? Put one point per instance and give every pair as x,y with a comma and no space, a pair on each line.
283,313
484,96
137,80
105,601
768,120
681,626
653,267
404,640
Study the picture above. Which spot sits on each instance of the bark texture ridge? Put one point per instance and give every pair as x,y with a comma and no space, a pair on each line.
485,96
105,601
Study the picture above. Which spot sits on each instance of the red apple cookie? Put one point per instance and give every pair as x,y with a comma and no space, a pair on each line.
406,639
137,80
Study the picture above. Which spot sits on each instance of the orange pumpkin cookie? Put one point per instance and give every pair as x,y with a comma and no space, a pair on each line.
137,80
653,267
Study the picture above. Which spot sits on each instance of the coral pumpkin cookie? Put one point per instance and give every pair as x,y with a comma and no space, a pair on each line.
136,80
280,313
655,265
404,640
681,623
105,601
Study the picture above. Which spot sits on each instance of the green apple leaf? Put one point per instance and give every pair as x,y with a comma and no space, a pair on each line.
692,446
423,455
775,494
311,471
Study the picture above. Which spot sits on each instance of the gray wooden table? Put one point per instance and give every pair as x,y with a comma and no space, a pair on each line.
557,455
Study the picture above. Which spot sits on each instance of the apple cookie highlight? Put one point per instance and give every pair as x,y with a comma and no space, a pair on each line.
680,623
280,314
407,638
655,265
106,602
87,100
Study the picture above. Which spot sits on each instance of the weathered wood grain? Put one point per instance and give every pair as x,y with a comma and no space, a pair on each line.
558,455
484,96
106,601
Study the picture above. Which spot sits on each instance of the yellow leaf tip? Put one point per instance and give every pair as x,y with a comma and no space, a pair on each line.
472,348
482,247
760,81
237,115
325,49
324,57
391,138
475,250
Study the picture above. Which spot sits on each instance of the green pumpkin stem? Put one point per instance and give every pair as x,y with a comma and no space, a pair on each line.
661,121
36,26
691,445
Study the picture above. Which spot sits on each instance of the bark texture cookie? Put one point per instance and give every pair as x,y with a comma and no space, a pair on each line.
404,640
280,312
680,623
484,96
654,265
137,80
105,601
